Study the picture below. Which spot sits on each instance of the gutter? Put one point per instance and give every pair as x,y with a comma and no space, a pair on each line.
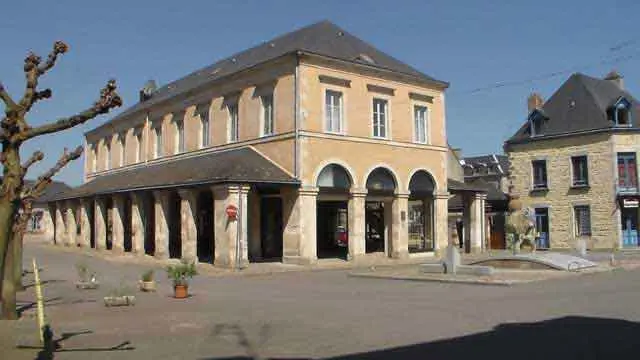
508,143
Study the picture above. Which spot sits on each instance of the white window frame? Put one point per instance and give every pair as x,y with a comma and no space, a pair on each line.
205,136
427,127
139,144
180,146
573,174
233,128
576,220
327,123
375,121
158,142
94,155
263,117
123,149
107,155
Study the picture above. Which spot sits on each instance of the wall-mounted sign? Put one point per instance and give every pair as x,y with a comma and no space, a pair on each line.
630,203
232,212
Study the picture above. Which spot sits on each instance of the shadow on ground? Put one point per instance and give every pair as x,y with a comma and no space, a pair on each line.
53,345
563,338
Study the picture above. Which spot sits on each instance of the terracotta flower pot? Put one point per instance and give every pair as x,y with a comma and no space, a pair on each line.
515,203
180,291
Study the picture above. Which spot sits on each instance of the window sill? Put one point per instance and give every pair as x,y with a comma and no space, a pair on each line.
335,132
580,187
539,190
380,138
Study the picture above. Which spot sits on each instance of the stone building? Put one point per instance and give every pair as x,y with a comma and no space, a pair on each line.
311,145
41,224
575,162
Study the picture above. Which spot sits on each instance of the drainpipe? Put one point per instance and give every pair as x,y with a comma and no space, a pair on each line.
296,118
238,232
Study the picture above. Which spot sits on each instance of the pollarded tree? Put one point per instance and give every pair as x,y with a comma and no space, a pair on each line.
15,131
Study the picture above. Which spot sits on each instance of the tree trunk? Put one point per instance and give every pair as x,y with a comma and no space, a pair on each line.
17,245
8,286
12,183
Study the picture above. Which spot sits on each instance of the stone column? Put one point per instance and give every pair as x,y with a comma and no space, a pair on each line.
300,243
117,214
357,223
188,228
400,226
468,201
85,223
161,231
47,223
474,222
71,224
100,223
441,216
231,249
137,225
61,228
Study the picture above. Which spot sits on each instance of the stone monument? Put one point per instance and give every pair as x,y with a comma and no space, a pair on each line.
520,226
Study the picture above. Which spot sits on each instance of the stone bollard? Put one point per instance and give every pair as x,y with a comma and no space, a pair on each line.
452,256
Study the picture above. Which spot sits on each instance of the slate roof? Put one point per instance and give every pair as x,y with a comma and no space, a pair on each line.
579,105
496,199
243,165
53,189
455,186
502,160
323,38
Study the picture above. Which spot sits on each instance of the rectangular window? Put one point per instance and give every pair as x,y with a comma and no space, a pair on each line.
204,127
579,168
140,149
94,158
539,168
380,109
267,114
107,158
123,149
627,172
180,146
158,142
420,124
333,111
233,122
582,216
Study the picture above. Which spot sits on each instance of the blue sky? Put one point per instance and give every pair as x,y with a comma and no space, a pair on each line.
471,44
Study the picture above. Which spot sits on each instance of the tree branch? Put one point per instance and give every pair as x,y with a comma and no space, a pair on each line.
109,99
6,98
45,179
33,70
35,157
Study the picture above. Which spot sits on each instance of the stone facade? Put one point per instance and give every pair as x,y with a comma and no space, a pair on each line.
561,196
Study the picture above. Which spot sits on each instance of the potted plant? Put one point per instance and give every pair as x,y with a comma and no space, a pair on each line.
87,278
120,297
179,275
146,281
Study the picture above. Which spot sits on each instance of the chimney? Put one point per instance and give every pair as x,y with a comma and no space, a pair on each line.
147,90
615,78
534,101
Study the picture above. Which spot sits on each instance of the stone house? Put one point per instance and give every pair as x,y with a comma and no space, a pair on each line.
311,145
574,161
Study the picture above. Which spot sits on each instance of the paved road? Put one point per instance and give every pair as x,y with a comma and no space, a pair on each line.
326,314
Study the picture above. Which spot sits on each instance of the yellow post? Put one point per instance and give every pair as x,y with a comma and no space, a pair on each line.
39,301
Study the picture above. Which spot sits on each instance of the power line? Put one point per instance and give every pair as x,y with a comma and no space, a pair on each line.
610,61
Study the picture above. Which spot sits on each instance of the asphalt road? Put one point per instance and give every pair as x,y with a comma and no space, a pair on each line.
326,314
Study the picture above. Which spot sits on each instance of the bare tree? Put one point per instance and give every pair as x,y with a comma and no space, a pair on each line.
15,131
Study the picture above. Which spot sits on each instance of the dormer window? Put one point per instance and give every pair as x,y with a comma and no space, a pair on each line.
620,112
535,123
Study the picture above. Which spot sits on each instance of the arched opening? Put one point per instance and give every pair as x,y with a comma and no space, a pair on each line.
421,212
332,231
381,186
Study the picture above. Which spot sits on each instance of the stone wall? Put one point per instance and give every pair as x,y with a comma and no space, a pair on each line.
561,197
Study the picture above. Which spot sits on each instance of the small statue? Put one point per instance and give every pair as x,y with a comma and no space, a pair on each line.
520,226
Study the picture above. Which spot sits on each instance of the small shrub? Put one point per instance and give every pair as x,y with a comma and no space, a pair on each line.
147,276
180,273
84,273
